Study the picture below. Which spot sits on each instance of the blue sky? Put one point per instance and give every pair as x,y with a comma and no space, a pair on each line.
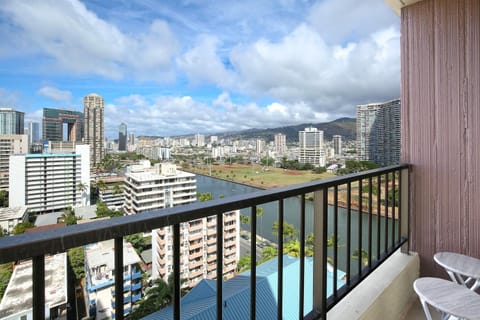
187,66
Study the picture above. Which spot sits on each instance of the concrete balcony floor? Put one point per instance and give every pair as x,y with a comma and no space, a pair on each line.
416,312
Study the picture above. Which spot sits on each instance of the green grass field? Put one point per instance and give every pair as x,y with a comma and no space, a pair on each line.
259,176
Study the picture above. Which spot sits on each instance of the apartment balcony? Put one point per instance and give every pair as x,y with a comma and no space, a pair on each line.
195,236
195,255
195,245
378,233
195,264
230,227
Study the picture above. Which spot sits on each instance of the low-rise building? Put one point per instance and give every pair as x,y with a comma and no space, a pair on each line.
17,300
100,285
10,217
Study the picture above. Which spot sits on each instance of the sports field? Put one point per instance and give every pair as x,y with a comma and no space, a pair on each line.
259,176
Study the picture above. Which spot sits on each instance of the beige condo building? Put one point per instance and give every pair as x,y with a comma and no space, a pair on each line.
93,112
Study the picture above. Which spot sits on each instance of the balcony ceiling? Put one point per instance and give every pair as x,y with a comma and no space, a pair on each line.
396,5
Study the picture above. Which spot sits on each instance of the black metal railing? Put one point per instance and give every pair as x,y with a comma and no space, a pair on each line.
374,225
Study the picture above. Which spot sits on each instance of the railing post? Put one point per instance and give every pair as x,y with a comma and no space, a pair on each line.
119,278
38,277
404,209
320,204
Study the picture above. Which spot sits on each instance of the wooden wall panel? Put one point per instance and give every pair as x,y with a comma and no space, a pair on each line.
440,126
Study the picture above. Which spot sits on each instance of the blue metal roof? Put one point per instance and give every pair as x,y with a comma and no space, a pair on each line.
200,302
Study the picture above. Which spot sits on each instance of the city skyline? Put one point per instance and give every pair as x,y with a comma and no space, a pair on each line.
181,67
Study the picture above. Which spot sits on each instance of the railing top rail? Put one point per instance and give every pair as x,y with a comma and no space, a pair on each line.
57,240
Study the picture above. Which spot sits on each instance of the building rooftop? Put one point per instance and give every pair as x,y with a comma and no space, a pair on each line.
200,302
18,296
152,174
101,254
12,213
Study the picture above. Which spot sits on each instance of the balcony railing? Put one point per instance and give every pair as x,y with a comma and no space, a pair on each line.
381,192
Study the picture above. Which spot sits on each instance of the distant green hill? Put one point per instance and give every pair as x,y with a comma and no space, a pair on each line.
346,127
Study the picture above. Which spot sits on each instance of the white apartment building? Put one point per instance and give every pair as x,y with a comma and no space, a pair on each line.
110,191
311,149
199,140
280,144
50,182
164,186
10,144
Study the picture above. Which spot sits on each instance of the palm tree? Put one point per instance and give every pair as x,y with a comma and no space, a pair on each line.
157,297
68,216
117,188
364,257
268,253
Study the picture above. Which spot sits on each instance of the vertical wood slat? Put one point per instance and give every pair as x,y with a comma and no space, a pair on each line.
320,252
379,215
253,265
280,260
440,98
176,272
118,278
302,258
38,279
219,266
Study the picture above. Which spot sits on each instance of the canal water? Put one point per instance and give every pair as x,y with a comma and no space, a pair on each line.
265,222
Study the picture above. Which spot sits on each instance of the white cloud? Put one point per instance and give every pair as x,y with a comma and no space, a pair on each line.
203,64
76,40
55,94
169,115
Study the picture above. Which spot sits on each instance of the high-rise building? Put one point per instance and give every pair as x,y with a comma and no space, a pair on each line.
11,121
62,125
131,140
122,137
213,139
164,186
280,144
260,146
10,144
50,182
337,145
378,132
93,110
199,140
311,147
34,132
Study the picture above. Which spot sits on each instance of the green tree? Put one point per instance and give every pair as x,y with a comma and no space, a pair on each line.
137,240
157,297
22,226
289,231
268,253
6,271
104,211
68,216
244,263
202,197
3,199
76,258
364,257
117,188
244,219
101,185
